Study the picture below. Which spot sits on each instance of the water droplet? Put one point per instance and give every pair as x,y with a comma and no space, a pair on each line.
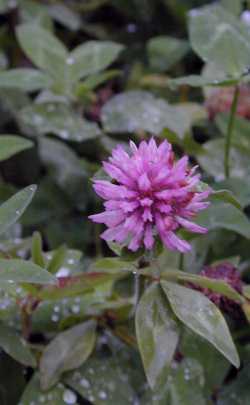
63,272
69,397
56,308
245,17
75,309
84,383
64,134
131,28
71,261
12,3
70,60
55,318
102,395
18,212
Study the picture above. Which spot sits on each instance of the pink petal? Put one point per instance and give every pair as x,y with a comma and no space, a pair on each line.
109,218
147,215
117,174
148,237
190,226
174,243
144,182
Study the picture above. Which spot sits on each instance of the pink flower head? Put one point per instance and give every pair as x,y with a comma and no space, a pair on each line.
151,194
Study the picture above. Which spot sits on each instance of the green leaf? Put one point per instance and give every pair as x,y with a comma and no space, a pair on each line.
58,119
197,312
212,162
164,52
201,81
15,346
24,79
11,145
43,49
234,6
217,286
36,250
218,36
65,16
221,215
12,209
113,265
157,335
104,380
186,385
69,350
57,259
63,163
10,371
92,57
35,13
77,285
228,197
139,110
58,395
236,391
22,271
215,366
99,78
241,130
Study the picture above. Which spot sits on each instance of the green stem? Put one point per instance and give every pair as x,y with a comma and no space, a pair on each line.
230,131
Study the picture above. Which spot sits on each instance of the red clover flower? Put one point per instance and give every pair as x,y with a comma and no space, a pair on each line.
150,194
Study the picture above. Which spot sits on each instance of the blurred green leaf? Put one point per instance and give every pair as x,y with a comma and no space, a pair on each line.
58,119
58,395
139,110
225,216
237,390
200,81
157,335
67,351
186,385
212,162
218,36
239,187
91,57
43,49
76,285
57,259
36,250
216,285
164,52
12,144
226,196
15,346
234,6
215,366
197,312
104,380
65,16
25,79
64,164
35,13
22,271
12,209
10,370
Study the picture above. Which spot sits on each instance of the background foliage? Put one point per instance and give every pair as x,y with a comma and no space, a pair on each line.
81,322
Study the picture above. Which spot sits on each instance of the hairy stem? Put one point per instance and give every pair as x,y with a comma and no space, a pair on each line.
230,131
